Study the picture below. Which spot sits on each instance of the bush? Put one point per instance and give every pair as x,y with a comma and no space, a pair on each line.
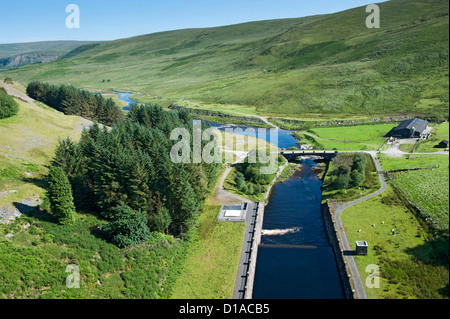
162,220
8,107
128,228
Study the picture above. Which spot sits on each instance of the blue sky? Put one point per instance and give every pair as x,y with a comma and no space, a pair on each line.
45,20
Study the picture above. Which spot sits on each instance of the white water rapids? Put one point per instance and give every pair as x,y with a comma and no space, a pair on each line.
277,232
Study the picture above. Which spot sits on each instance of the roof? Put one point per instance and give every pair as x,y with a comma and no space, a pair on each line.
418,125
361,244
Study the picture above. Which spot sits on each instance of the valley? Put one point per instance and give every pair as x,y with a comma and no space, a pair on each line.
146,227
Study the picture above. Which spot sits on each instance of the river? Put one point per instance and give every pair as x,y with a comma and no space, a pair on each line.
285,138
126,97
295,258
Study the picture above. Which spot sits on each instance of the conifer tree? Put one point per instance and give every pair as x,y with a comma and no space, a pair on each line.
60,196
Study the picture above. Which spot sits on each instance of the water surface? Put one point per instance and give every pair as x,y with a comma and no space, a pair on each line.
299,262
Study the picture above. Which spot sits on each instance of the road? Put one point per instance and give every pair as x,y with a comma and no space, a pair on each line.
221,196
338,209
16,93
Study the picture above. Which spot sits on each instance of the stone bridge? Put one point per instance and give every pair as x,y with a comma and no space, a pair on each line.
292,155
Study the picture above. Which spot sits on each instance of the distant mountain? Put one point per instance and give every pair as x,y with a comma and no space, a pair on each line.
21,54
327,64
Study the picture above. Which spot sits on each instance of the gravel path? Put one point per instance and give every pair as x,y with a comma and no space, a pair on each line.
222,196
16,93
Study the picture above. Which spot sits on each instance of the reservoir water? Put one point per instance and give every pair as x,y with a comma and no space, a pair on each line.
296,261
284,137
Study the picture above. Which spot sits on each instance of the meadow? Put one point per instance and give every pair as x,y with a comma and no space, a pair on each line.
427,189
105,270
389,163
27,143
412,265
347,138
210,268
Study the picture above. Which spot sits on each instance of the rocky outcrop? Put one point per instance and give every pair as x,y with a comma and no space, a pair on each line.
28,58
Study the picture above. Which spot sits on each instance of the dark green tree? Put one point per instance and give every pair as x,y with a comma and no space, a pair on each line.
359,163
342,178
357,178
128,227
8,107
60,196
161,220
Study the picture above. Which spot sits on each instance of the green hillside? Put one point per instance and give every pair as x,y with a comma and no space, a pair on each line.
320,65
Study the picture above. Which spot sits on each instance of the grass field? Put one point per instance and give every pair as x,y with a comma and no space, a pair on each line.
210,269
411,266
350,138
427,189
389,163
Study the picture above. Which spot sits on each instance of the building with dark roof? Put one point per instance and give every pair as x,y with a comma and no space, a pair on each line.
410,128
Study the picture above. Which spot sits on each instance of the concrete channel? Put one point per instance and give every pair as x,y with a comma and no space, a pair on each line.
243,287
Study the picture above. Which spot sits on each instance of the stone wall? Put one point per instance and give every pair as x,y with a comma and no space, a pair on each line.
338,251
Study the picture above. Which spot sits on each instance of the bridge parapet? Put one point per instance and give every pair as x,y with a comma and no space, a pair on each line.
290,155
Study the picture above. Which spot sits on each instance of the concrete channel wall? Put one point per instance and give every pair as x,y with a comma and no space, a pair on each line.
254,251
330,226
243,287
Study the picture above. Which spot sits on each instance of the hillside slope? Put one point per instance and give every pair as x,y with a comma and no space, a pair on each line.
329,64
15,55
27,143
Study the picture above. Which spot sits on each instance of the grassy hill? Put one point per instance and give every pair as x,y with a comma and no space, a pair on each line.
27,143
319,65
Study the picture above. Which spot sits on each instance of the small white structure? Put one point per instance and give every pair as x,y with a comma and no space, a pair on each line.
233,213
361,248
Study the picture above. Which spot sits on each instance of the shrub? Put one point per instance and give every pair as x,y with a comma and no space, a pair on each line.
129,227
8,107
